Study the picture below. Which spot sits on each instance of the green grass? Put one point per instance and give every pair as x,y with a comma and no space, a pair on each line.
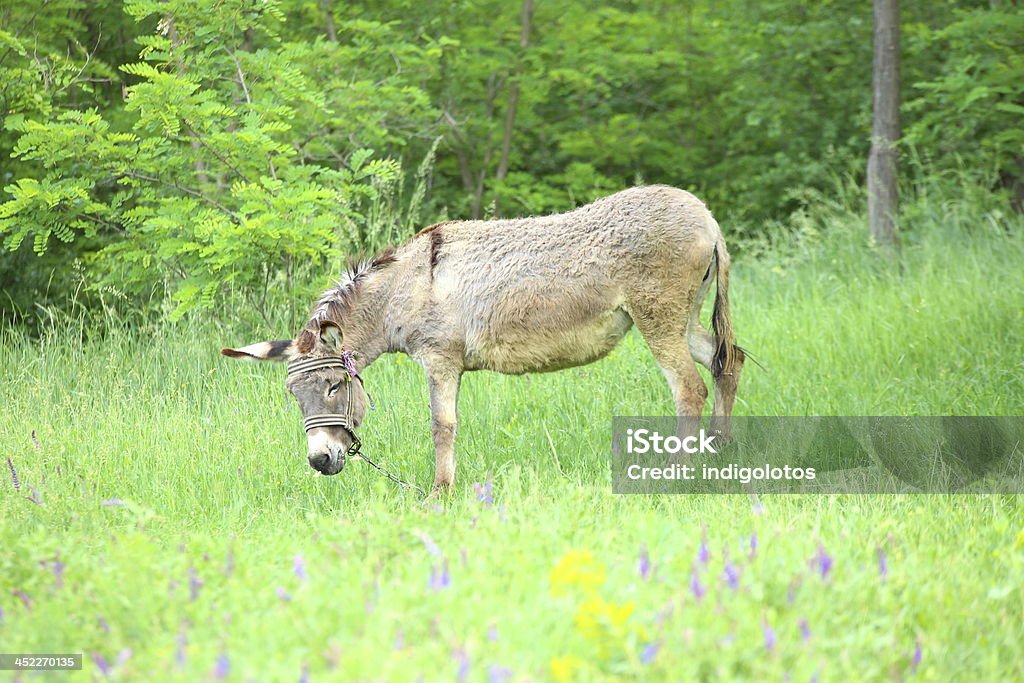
206,458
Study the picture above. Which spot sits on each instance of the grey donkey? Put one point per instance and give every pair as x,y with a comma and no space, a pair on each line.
517,296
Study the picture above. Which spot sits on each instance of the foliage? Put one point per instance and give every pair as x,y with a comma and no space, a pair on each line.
194,152
208,189
970,114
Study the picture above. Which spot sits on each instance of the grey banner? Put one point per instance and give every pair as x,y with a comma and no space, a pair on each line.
40,662
820,455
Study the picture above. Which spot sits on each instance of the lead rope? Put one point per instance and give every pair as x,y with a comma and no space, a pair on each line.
393,478
359,455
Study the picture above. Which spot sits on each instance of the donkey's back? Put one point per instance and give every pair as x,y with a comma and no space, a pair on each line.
545,293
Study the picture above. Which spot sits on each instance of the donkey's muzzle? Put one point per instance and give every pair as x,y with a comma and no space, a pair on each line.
328,463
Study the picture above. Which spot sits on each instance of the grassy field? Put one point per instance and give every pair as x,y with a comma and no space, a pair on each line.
164,522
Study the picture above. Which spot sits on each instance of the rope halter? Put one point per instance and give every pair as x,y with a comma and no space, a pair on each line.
346,420
345,360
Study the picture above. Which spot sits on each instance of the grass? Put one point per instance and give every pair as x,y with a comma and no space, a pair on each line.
176,532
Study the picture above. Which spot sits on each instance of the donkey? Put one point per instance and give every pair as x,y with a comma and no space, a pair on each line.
517,296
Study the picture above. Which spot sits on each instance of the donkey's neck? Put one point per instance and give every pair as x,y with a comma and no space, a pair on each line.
368,327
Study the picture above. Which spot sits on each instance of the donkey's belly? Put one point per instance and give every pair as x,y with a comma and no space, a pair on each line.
521,346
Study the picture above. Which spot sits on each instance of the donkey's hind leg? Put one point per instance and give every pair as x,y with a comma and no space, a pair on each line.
665,336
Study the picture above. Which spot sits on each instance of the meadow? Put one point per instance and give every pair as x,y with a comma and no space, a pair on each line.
158,514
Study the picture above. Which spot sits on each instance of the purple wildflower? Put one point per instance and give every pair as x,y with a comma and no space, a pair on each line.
643,565
35,497
649,652
823,562
180,645
14,476
484,492
432,547
195,584
498,674
918,656
883,564
304,675
25,600
696,588
758,507
299,567
753,546
399,643
703,554
223,666
492,633
805,630
112,502
229,561
731,575
101,663
283,595
463,671
815,677
769,637
124,655
2,615
103,624
439,577
57,567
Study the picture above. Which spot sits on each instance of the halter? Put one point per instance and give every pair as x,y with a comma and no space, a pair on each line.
346,361
345,421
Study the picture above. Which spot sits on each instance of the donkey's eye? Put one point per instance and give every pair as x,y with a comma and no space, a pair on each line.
334,389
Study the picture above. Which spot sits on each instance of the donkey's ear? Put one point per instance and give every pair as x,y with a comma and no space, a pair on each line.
330,335
281,350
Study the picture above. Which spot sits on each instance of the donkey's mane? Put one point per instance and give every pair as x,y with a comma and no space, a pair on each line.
336,302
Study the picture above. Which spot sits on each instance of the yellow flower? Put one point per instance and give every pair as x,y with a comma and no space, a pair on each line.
565,668
597,618
618,614
577,569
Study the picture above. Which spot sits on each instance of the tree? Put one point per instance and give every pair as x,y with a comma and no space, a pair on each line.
235,162
883,197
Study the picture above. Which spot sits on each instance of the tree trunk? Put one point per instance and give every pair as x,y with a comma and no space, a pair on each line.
327,6
513,90
883,198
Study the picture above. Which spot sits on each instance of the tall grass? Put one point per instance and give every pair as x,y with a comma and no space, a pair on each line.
166,515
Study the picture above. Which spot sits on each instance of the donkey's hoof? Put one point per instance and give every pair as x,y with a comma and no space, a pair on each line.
441,489
722,433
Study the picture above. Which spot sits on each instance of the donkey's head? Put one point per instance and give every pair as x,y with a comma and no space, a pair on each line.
323,379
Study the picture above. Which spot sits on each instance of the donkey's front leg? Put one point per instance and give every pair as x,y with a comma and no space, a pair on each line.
444,399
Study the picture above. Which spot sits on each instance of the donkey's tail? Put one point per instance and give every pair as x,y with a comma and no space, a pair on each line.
726,351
